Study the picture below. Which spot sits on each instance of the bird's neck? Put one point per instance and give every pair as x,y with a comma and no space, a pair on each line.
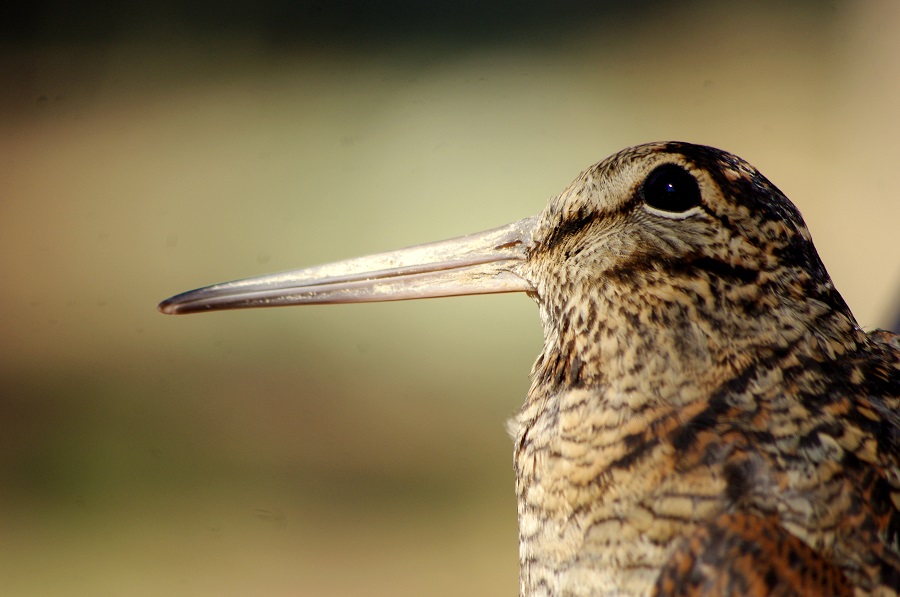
618,376
662,342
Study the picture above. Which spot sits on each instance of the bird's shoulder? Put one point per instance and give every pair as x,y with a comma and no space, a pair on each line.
820,455
890,341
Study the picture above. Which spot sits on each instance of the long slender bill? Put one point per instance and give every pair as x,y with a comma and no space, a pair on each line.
478,263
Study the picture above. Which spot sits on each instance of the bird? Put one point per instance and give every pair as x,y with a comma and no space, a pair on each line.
705,417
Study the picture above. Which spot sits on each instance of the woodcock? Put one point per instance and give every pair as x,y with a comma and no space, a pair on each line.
705,417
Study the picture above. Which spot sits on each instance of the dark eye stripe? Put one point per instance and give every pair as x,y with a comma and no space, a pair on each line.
568,227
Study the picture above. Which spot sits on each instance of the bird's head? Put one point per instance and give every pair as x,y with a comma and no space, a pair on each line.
675,250
681,248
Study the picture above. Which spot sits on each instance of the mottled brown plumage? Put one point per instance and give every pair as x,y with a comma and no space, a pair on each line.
697,367
706,416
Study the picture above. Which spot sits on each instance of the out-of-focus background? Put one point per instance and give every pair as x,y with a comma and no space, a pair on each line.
146,149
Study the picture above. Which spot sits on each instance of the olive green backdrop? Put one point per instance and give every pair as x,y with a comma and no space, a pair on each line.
350,450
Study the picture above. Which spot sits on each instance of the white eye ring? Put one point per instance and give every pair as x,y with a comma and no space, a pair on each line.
673,215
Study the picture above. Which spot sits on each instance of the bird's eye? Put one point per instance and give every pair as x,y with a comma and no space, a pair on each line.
671,188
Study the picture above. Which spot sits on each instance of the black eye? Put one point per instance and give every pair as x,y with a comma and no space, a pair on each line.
671,188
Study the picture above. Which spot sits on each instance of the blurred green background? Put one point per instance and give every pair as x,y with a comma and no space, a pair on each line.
146,149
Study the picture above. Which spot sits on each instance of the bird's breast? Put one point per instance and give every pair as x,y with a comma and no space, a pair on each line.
603,497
